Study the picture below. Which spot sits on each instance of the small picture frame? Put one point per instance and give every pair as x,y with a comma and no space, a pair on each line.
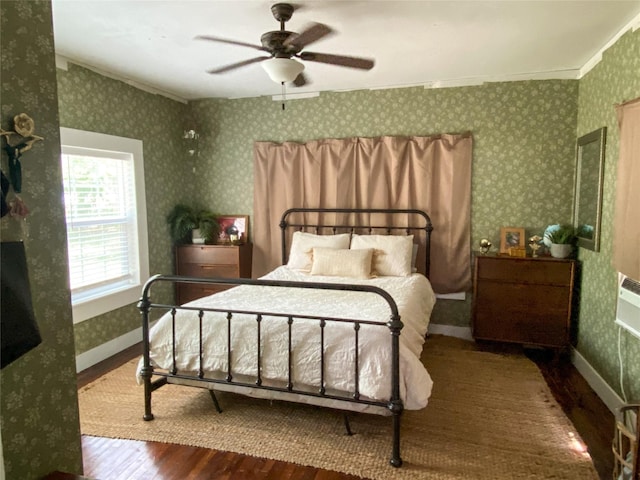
233,229
511,237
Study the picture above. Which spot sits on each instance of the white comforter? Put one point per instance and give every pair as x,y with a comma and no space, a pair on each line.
413,295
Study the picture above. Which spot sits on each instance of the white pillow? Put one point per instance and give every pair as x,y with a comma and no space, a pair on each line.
391,255
342,263
303,243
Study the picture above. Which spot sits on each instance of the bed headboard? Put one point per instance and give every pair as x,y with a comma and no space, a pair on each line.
330,221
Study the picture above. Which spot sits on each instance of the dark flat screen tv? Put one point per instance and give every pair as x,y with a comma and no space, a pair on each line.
19,331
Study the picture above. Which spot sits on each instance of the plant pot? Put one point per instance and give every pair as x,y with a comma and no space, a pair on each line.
196,237
560,250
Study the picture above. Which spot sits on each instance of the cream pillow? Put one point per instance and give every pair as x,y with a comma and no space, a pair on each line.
391,254
303,243
342,263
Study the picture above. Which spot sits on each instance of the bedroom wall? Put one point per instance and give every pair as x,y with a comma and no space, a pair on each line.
614,80
90,101
39,405
524,135
523,160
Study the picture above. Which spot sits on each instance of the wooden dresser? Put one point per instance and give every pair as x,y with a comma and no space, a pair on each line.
210,261
523,300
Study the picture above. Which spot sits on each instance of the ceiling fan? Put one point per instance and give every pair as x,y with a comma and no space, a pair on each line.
282,46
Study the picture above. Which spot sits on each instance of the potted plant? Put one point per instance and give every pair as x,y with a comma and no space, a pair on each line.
561,239
188,224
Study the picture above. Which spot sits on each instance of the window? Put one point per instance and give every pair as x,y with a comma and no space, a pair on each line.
106,217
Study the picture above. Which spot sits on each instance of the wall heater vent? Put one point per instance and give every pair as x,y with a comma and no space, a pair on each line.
628,309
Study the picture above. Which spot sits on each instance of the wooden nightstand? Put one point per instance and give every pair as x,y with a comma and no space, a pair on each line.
523,300
210,261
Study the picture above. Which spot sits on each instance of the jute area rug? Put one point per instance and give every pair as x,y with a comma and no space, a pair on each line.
490,416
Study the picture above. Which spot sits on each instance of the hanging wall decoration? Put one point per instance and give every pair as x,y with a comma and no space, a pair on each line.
18,141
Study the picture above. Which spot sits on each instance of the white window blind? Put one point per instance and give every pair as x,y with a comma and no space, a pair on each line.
106,234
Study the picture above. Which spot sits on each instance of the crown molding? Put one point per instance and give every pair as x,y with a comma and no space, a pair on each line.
633,25
63,62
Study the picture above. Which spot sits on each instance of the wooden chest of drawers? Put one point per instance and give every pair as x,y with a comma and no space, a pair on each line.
523,300
210,261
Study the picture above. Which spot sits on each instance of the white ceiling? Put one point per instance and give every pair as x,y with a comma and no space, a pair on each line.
151,42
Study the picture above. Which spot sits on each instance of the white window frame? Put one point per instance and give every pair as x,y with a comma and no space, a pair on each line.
80,139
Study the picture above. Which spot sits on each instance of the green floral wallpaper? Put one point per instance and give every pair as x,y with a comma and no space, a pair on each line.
523,160
614,80
39,406
89,101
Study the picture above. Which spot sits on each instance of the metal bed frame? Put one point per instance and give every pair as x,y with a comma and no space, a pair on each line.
394,404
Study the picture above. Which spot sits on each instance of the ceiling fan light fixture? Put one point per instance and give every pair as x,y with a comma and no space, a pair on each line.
282,70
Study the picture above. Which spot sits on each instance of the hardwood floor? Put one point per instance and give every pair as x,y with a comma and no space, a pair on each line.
590,416
113,459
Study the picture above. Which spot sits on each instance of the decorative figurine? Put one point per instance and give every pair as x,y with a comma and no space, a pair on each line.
534,244
20,140
234,234
485,246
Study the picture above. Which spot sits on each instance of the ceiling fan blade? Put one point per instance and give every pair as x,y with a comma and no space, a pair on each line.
231,42
311,34
233,66
300,80
353,62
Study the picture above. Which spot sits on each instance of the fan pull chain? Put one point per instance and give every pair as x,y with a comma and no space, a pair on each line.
284,93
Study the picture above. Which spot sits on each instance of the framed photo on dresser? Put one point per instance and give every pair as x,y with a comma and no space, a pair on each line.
233,229
511,237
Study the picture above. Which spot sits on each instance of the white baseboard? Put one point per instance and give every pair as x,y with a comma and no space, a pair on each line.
607,394
108,349
450,331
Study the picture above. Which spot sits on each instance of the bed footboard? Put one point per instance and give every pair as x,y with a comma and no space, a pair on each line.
394,326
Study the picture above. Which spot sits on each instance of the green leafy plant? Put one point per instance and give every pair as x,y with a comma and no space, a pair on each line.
208,225
565,234
183,219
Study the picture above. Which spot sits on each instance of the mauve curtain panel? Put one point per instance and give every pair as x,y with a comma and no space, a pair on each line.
626,220
430,173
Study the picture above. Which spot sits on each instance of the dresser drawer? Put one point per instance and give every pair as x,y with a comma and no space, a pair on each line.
525,271
208,271
544,331
535,314
522,299
212,255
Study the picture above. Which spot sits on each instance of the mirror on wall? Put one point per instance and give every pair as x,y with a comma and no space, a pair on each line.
588,189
